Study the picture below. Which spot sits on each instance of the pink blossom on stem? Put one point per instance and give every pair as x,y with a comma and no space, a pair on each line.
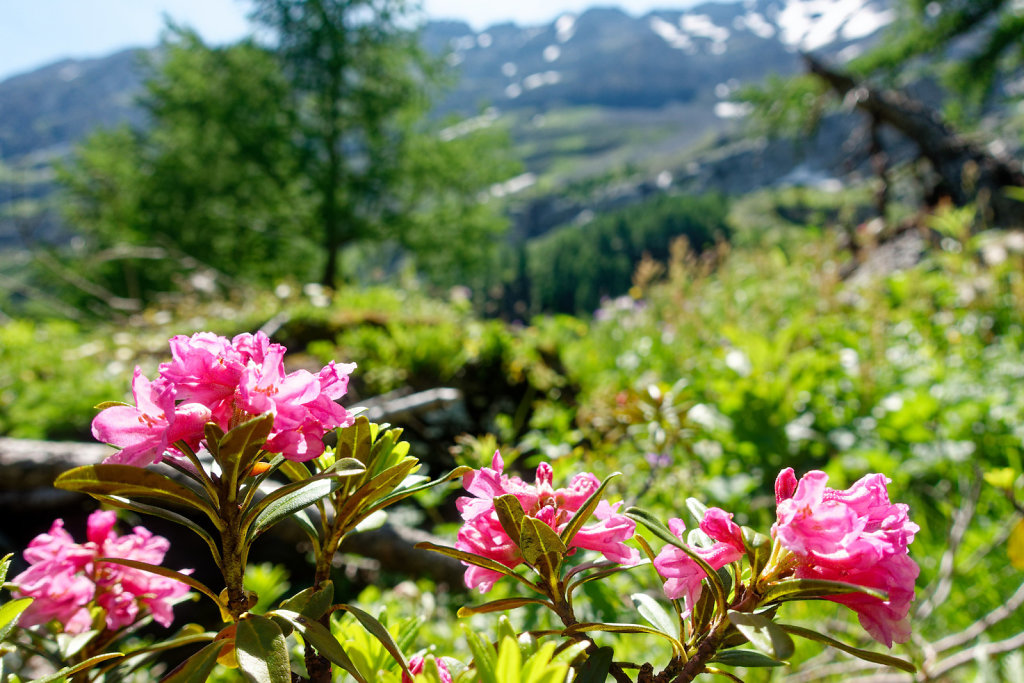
684,577
482,533
855,536
211,378
416,664
66,578
145,432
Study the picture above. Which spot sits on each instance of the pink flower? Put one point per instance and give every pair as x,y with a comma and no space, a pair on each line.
416,667
66,579
146,432
302,403
482,533
684,577
855,536
213,379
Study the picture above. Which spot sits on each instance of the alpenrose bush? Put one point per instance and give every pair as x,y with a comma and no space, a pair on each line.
224,418
70,584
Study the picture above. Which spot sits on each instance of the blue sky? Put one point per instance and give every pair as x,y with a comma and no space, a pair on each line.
37,32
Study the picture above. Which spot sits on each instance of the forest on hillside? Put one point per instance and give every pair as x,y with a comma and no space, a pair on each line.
712,357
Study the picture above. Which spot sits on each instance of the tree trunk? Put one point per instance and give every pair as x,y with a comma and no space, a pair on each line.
969,173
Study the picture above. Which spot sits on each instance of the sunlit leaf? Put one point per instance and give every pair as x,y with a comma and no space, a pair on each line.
585,511
311,603
867,655
763,634
510,515
125,504
510,661
9,613
167,573
802,589
541,546
655,614
242,446
747,658
624,628
284,506
197,668
484,658
478,560
68,671
501,605
378,631
262,651
322,640
132,482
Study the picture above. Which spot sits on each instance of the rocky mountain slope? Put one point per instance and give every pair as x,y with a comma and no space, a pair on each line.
586,94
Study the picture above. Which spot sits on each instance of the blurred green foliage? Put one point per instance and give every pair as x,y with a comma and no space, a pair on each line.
715,372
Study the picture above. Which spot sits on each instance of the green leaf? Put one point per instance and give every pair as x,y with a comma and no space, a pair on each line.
378,631
595,669
585,510
604,573
322,640
167,573
9,613
284,506
198,667
477,560
804,589
5,564
125,504
373,495
570,653
759,549
68,671
240,448
403,493
132,482
697,509
190,634
748,658
510,662
661,531
542,548
677,646
111,404
510,516
484,658
655,614
866,655
501,606
763,634
295,471
311,603
262,651
70,644
256,509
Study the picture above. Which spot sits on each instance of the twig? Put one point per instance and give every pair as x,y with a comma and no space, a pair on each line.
982,625
944,579
971,654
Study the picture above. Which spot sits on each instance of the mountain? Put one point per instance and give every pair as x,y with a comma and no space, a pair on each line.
586,94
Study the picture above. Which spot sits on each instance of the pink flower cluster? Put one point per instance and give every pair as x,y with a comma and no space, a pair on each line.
211,378
683,575
855,536
482,534
66,580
